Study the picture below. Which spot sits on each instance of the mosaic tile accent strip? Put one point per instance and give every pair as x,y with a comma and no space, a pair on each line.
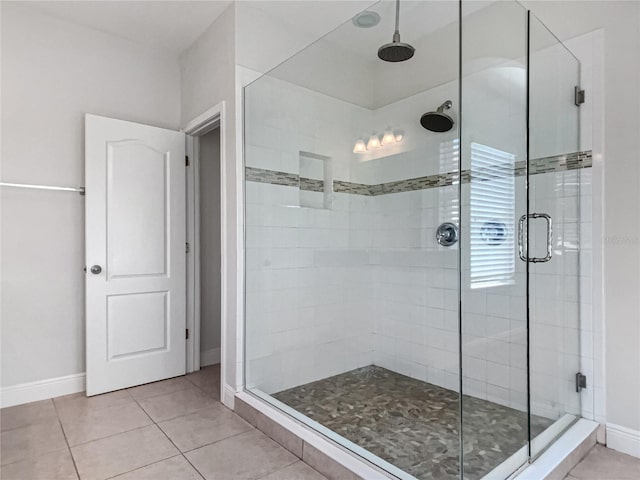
311,184
559,163
570,161
273,177
340,186
420,183
262,175
413,424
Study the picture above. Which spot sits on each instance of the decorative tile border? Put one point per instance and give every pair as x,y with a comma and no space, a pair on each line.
340,186
311,184
262,175
559,163
273,177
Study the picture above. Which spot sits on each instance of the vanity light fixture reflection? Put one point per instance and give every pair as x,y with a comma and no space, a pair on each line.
360,146
374,142
388,137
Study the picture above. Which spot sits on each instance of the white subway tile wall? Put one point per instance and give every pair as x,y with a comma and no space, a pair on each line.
308,308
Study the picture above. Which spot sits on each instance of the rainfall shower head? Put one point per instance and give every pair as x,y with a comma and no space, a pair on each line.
438,121
396,51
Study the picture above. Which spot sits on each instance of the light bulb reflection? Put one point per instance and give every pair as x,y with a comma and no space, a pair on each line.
359,147
374,142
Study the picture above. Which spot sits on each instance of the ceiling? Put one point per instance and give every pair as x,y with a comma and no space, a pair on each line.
168,25
344,63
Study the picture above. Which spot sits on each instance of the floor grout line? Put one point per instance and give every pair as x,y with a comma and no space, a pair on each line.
282,468
65,449
220,440
157,424
73,459
190,384
193,466
143,466
146,413
179,416
111,436
181,452
28,425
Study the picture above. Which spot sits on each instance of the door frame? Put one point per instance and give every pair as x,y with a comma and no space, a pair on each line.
202,124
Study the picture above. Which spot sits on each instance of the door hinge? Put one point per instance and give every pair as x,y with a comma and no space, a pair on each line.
186,160
187,334
187,248
578,96
581,382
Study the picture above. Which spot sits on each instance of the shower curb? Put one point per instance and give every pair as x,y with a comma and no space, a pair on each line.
560,458
340,464
308,446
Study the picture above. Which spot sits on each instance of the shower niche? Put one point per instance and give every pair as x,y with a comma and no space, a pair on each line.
431,361
316,181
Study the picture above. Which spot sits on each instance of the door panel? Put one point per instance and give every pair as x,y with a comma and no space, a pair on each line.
135,233
136,324
137,200
493,293
554,190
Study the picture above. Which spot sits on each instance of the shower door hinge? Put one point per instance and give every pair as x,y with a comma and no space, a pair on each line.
579,96
581,382
186,160
187,247
186,336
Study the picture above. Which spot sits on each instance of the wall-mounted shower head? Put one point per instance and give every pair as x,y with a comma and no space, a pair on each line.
438,121
396,51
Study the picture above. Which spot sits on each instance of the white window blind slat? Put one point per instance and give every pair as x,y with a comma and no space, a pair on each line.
492,248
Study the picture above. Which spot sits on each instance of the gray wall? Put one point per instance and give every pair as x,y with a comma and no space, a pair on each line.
53,72
210,240
208,77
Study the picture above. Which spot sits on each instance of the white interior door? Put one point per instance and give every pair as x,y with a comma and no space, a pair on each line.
135,253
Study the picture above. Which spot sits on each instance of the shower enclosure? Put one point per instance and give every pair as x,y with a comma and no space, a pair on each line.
412,289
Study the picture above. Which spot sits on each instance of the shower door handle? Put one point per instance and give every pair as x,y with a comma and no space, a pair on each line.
549,238
524,256
521,253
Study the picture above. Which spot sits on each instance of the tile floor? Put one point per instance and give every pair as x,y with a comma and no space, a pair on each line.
174,430
602,463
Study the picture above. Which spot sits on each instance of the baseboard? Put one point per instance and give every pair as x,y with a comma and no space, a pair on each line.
210,357
623,439
41,390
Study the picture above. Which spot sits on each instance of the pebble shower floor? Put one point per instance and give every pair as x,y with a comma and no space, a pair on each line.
413,424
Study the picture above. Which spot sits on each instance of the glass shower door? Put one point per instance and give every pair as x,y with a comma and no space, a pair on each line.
519,245
495,416
554,241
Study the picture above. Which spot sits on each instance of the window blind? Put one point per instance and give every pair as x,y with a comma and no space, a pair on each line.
492,248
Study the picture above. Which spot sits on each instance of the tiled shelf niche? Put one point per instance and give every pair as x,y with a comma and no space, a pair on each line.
315,181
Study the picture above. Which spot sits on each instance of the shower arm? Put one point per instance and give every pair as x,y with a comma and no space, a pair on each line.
445,106
396,33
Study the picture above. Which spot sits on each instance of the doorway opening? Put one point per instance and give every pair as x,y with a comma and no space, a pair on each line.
209,222
204,246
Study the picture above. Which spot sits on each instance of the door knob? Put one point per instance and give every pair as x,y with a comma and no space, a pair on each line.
96,269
